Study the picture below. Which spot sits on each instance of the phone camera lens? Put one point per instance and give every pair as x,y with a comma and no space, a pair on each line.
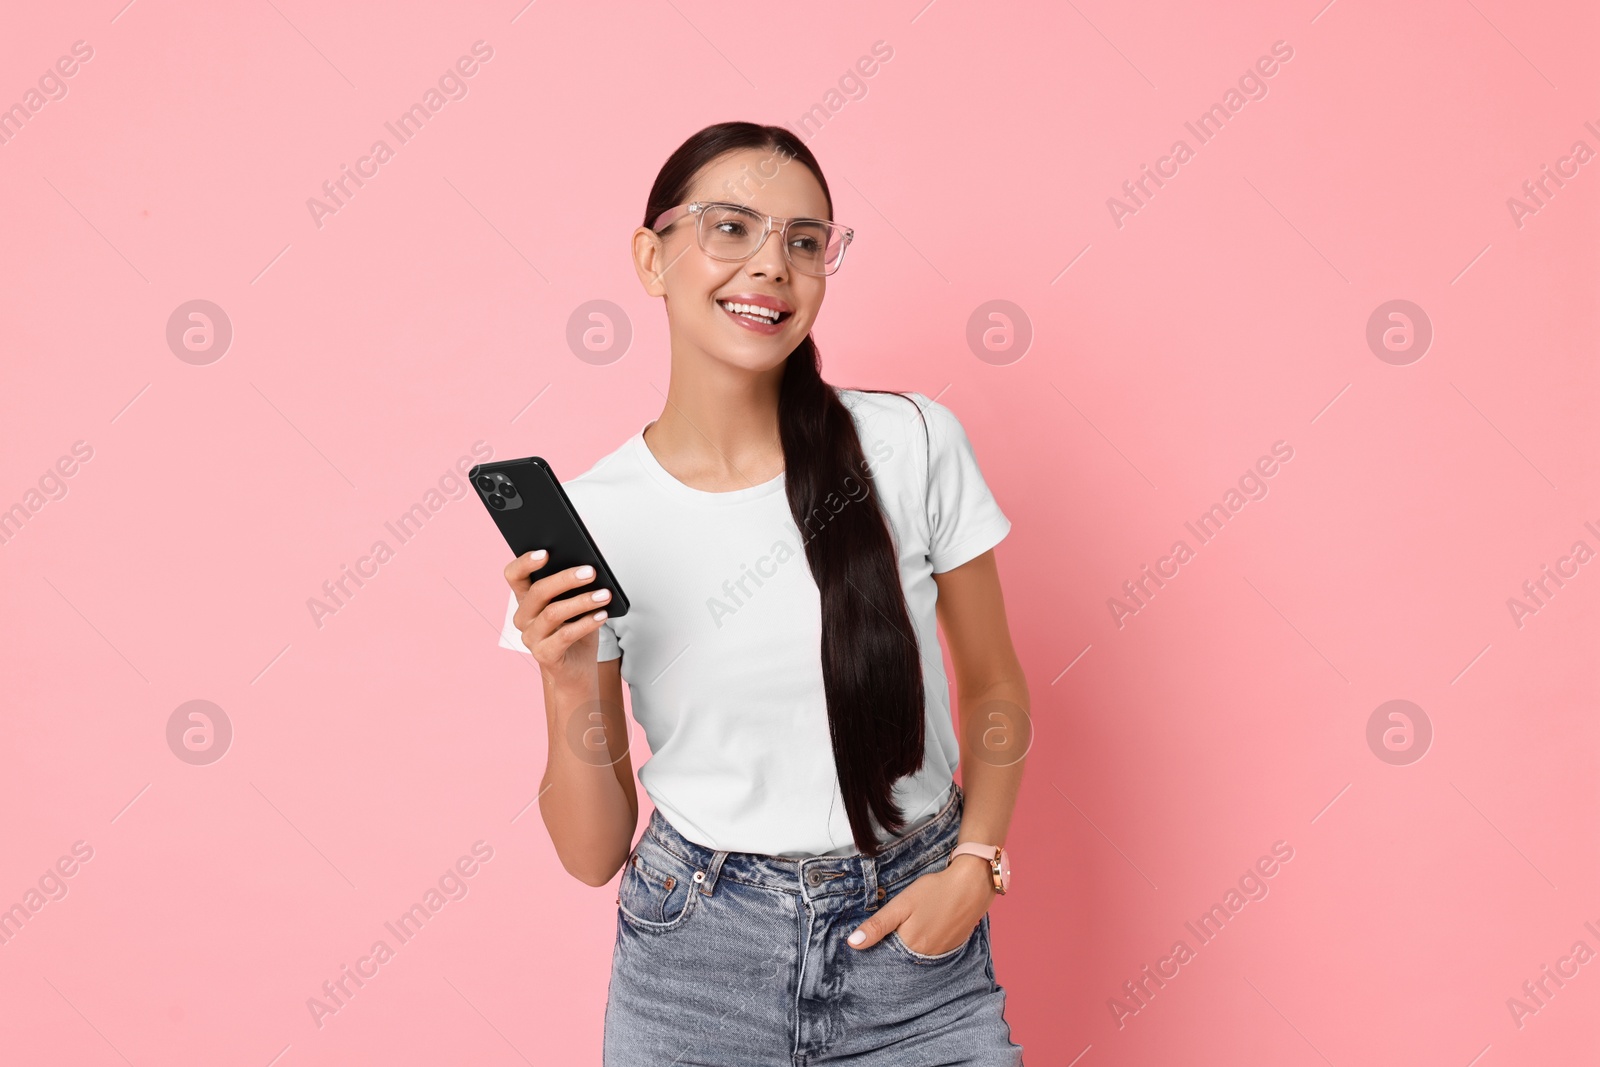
486,484
497,501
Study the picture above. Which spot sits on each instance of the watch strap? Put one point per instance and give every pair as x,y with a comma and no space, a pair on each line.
991,853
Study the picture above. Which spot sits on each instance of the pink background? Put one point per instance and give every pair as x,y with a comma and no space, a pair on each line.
432,312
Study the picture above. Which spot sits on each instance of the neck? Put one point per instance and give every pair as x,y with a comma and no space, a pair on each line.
718,429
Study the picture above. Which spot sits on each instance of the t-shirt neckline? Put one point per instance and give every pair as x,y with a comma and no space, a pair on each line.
662,477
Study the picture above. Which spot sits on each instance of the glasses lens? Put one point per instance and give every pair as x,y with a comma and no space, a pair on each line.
816,247
731,232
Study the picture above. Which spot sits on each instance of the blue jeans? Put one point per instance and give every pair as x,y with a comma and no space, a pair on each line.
736,959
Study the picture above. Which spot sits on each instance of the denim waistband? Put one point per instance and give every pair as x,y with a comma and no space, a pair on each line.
866,878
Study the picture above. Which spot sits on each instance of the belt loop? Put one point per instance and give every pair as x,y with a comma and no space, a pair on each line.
869,879
711,871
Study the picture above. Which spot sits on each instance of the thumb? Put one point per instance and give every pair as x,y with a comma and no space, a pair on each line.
877,927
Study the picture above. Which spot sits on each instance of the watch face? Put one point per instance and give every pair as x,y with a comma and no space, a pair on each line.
1005,869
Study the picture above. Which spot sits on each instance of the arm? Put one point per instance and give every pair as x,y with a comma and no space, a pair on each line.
587,797
939,910
992,698
995,730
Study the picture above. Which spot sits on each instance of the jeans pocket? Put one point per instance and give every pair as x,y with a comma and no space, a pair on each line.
658,891
941,957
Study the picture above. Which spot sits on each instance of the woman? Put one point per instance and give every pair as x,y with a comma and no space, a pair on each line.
798,895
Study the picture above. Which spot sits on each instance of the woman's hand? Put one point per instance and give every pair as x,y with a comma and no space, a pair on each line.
559,633
937,912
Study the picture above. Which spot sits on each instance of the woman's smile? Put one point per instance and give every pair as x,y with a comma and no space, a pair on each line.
756,312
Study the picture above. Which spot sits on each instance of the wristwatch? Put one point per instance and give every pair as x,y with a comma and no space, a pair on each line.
999,862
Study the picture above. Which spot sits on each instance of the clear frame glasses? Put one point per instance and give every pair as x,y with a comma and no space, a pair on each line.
733,233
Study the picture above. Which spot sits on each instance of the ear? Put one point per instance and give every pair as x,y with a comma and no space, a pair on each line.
649,261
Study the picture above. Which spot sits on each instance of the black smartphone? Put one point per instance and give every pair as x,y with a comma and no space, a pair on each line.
532,510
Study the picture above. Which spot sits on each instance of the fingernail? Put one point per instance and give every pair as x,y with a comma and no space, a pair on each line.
585,572
537,553
599,615
602,594
858,937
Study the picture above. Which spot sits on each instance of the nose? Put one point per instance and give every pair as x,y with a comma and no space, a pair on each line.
770,261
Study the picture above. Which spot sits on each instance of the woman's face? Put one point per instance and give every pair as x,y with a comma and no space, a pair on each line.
697,286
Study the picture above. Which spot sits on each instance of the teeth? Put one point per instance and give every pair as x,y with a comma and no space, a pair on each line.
751,309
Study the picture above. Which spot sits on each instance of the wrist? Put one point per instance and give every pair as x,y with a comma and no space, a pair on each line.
562,694
976,868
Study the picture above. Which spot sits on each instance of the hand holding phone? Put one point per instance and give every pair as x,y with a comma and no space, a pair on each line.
561,634
533,513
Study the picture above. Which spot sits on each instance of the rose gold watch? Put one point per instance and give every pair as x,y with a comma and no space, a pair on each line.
999,862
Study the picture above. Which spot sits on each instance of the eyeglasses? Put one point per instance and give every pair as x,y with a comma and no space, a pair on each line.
734,233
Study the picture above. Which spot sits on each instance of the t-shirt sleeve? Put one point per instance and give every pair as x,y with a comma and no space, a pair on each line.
964,519
511,637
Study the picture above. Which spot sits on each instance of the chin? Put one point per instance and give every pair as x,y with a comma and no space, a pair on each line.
752,359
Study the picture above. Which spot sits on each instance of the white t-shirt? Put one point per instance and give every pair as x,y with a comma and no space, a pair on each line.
722,645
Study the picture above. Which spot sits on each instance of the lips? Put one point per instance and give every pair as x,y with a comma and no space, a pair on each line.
752,320
758,299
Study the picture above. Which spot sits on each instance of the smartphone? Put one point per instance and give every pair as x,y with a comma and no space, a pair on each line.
532,510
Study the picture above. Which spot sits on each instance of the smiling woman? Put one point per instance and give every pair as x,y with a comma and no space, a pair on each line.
803,754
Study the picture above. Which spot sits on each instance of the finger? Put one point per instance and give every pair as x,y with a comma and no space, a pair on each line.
567,620
576,630
518,570
553,585
558,612
877,927
537,596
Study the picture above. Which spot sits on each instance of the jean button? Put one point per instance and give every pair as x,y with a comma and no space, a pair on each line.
813,877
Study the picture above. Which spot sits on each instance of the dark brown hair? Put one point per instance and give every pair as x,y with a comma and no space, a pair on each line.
871,662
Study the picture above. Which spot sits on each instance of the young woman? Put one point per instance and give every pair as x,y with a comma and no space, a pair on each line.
798,895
